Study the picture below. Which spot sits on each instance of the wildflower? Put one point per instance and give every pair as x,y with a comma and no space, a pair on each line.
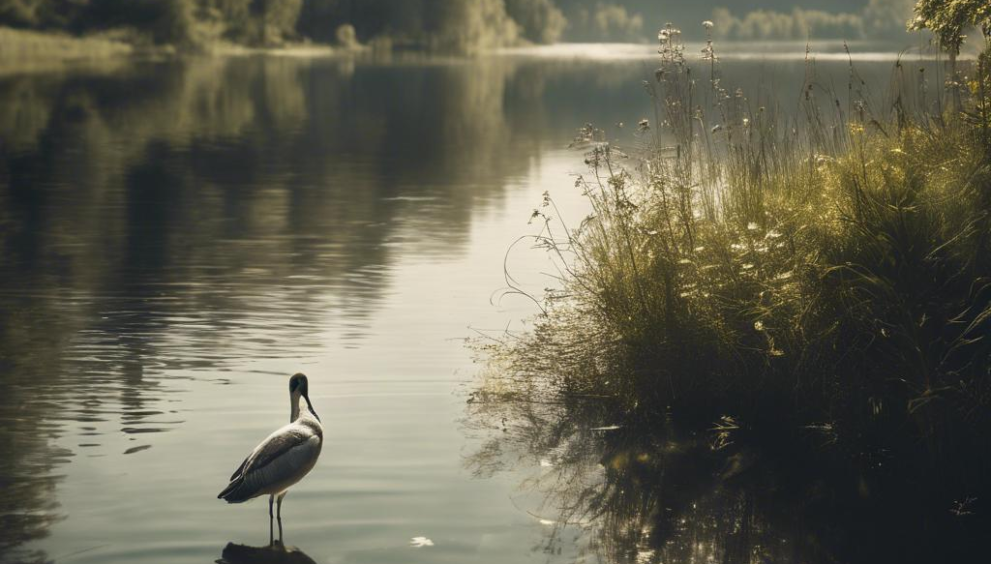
707,24
752,226
759,325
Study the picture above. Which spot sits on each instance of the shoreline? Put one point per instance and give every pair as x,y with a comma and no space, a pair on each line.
29,49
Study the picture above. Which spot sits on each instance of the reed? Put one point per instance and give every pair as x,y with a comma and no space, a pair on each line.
826,272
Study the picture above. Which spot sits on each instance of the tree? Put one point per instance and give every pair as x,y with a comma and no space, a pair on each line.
20,13
541,20
950,20
887,17
469,26
278,19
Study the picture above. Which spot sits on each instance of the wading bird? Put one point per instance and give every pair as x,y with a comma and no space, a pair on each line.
282,459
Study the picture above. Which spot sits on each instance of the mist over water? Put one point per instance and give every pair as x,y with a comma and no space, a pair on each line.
178,238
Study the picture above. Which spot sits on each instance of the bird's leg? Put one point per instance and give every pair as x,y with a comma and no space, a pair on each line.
271,533
279,514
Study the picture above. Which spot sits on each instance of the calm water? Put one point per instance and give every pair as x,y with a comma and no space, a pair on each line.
177,238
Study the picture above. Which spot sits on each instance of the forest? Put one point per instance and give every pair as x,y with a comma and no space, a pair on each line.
461,26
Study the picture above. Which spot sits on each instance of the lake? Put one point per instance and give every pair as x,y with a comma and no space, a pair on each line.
179,237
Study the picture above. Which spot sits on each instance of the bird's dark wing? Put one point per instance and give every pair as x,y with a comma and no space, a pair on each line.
284,460
240,468
275,446
284,457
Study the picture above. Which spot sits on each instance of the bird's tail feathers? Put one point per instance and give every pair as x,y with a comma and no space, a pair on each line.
230,493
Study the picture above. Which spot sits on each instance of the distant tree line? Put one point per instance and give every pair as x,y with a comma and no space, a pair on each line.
454,25
459,25
184,23
878,19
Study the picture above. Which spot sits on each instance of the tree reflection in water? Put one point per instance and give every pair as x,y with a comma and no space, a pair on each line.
172,220
643,490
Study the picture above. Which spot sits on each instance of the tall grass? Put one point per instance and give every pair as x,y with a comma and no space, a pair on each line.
827,273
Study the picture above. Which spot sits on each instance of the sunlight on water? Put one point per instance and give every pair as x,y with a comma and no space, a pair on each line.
860,51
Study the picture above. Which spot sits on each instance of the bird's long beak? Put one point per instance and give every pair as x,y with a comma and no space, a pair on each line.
310,405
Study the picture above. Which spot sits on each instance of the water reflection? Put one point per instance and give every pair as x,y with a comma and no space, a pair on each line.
637,489
163,220
275,553
169,223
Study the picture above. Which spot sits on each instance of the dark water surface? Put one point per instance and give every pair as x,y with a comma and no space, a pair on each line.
177,238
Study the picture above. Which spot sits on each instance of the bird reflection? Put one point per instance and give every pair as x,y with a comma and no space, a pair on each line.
275,553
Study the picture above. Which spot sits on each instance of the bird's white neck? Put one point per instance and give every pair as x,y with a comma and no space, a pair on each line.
297,406
300,408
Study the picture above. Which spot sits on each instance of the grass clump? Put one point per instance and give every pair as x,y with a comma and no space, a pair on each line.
819,281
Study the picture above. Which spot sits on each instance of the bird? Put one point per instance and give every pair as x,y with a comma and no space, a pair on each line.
282,459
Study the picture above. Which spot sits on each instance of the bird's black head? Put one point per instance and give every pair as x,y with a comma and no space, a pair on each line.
298,383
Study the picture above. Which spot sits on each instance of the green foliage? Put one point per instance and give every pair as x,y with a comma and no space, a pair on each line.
799,24
887,17
465,26
606,22
21,13
346,36
879,18
950,20
468,27
540,20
